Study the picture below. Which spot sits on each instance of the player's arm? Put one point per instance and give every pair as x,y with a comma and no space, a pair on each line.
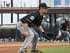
43,31
23,27
41,28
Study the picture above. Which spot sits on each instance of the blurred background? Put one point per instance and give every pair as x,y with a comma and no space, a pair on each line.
56,23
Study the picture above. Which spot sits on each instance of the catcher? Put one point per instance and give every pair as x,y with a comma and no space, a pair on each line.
30,25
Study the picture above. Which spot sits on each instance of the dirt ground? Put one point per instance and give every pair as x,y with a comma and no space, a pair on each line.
14,47
9,47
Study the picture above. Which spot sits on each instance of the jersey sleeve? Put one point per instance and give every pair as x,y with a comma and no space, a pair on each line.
32,18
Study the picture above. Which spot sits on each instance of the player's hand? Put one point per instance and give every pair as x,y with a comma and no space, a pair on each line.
25,34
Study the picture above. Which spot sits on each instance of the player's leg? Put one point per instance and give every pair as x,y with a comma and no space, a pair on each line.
26,44
27,41
34,41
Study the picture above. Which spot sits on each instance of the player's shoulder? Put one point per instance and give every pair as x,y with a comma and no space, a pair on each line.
34,13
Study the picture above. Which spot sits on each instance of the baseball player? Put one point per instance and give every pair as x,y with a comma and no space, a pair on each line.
30,25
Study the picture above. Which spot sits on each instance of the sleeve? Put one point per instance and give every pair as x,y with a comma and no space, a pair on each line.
32,18
29,18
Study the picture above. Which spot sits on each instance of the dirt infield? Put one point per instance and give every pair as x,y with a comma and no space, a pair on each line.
9,48
14,47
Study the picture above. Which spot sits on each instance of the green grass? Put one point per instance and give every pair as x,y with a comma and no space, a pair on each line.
55,50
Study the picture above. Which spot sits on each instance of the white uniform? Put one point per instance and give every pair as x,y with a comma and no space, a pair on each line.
32,36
